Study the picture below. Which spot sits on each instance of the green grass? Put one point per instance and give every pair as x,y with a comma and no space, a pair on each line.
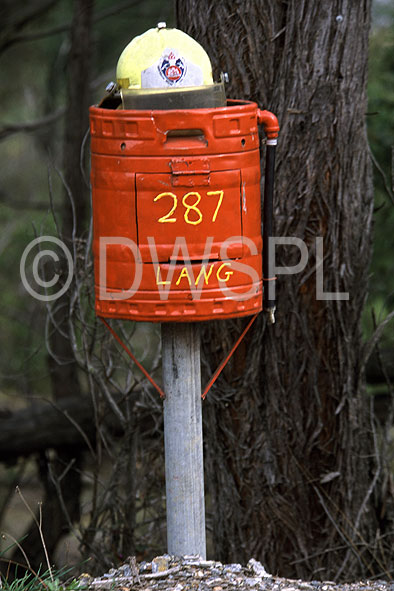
29,580
48,581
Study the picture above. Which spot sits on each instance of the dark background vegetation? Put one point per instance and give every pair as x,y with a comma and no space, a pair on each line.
94,453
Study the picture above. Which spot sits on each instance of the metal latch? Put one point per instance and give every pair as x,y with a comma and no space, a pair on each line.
190,173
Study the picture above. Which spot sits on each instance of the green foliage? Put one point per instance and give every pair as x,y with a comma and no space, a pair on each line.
381,96
381,137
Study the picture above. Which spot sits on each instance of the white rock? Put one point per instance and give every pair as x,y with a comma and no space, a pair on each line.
258,568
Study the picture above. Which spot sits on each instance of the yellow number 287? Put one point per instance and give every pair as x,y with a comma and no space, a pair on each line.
190,201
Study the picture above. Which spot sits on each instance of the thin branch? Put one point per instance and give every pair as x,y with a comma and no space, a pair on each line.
56,483
17,478
17,544
35,36
43,543
348,541
383,368
370,490
85,176
12,128
54,216
322,553
109,398
116,9
370,345
32,14
64,28
29,126
25,19
66,414
39,525
383,175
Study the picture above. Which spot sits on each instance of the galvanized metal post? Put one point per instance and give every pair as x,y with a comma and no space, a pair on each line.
183,439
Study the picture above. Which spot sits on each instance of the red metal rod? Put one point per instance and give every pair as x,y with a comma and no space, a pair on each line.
152,381
225,361
130,354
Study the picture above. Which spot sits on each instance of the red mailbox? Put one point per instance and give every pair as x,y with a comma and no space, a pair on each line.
176,212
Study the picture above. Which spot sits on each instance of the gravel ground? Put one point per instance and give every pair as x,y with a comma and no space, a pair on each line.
169,573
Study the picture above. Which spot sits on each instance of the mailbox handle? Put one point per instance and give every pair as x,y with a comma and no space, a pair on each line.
175,124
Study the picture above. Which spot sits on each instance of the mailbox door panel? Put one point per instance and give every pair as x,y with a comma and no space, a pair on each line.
209,208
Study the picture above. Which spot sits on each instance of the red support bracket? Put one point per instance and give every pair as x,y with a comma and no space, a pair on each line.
227,358
152,381
132,356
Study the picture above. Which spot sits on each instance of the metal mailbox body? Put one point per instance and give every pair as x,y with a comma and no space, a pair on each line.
165,179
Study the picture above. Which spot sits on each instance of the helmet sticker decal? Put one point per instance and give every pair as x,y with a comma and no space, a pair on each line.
172,68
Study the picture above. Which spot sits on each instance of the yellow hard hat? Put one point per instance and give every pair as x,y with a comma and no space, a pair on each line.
163,58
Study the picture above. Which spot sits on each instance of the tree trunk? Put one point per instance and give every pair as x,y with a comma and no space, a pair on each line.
288,443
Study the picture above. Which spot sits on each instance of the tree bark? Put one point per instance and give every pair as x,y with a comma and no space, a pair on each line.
288,443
